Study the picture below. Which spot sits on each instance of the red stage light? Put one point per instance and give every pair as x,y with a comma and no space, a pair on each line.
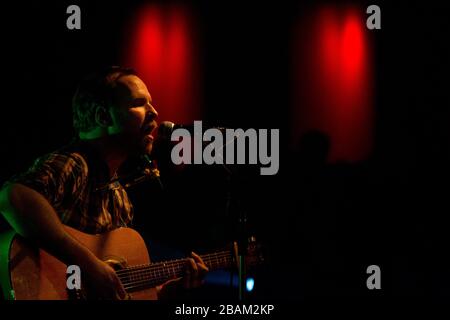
161,47
333,81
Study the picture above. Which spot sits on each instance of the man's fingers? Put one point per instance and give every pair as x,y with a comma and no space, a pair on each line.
199,261
196,257
192,266
202,269
196,270
121,292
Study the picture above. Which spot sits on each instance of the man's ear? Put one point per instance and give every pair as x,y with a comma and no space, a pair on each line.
102,117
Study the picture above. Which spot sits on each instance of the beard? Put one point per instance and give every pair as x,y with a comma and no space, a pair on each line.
134,145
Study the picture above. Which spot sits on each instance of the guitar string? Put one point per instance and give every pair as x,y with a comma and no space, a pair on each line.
148,271
143,282
161,268
146,275
143,276
172,261
166,266
163,265
140,283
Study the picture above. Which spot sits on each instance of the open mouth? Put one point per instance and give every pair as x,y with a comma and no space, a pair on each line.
149,129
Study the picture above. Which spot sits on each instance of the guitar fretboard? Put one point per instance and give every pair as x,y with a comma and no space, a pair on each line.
139,277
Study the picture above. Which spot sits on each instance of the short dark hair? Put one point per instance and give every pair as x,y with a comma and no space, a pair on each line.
96,89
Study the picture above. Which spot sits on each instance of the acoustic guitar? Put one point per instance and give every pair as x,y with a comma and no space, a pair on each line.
30,273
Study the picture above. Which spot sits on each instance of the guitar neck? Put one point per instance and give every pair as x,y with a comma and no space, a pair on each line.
151,275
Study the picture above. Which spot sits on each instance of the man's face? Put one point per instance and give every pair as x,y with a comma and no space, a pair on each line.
134,115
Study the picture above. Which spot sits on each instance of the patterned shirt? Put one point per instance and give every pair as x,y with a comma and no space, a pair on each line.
78,187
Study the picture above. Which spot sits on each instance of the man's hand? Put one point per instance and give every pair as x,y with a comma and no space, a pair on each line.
194,276
195,272
103,282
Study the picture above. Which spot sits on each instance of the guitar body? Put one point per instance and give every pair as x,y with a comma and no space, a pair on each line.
36,275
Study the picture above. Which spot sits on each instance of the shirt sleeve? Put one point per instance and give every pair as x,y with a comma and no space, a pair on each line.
56,176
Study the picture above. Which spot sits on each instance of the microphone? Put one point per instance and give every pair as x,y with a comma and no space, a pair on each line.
166,128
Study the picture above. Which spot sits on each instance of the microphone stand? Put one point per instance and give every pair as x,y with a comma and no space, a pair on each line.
242,251
241,228
241,233
166,129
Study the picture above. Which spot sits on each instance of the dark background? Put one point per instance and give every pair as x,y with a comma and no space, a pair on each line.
321,224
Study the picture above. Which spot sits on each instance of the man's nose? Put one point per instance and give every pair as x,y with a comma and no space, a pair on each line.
151,111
